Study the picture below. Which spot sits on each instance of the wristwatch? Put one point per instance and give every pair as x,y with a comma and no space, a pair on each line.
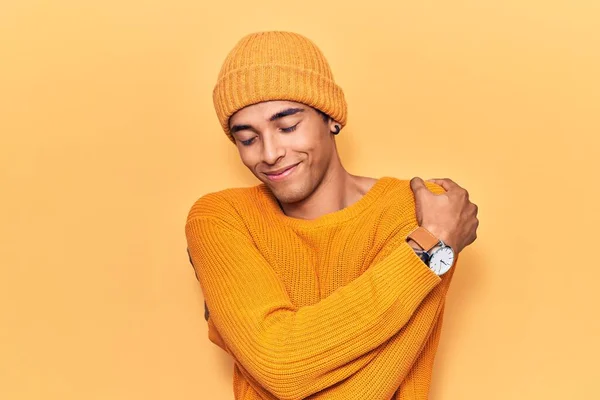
438,256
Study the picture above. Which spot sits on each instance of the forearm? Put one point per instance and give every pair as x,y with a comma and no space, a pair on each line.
296,351
417,383
394,360
414,386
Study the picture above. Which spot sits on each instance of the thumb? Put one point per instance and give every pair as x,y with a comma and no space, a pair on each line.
417,184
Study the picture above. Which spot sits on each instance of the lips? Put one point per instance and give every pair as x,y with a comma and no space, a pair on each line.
281,173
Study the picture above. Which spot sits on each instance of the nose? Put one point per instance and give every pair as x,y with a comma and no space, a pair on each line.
272,149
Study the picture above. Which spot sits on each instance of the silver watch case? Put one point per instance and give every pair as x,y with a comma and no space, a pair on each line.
441,258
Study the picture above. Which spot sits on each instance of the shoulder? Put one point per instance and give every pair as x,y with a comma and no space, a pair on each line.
401,187
396,209
397,202
221,204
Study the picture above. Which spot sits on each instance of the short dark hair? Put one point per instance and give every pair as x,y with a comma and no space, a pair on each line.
323,115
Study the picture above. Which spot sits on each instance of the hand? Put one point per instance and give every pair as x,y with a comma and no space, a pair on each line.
450,216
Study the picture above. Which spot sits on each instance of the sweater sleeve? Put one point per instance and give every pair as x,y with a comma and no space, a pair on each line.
297,351
417,383
394,360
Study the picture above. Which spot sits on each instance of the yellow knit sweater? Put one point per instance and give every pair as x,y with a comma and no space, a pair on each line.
339,307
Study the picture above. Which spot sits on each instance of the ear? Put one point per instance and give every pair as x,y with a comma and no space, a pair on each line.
334,126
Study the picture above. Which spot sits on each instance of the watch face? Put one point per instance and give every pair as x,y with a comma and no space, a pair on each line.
441,260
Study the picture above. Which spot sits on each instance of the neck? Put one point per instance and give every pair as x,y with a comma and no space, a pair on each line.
338,189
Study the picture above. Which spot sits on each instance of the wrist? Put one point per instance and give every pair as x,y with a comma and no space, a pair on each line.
434,252
422,254
414,245
441,235
435,231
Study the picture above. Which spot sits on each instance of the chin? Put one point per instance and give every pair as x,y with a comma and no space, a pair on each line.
290,193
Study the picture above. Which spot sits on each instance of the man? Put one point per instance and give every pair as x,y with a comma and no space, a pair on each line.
320,284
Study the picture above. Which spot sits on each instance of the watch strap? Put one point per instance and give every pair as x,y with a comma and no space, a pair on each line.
423,238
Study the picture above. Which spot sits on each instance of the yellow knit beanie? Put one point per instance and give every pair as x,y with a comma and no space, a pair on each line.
276,65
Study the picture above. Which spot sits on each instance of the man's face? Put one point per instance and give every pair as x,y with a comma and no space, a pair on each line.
286,145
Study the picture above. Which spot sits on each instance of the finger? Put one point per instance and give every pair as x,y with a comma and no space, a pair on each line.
447,184
450,181
417,185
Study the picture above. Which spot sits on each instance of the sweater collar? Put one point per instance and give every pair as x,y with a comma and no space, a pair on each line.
336,217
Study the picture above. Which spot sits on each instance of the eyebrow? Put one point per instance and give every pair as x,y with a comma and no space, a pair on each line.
276,116
285,113
237,128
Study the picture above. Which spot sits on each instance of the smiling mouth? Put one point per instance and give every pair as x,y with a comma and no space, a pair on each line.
283,174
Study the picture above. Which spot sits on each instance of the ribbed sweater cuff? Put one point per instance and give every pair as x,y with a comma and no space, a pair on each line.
412,279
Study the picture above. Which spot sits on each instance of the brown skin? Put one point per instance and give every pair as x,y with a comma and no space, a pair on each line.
450,216
319,184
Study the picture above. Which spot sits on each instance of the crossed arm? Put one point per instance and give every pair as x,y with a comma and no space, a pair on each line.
382,371
295,352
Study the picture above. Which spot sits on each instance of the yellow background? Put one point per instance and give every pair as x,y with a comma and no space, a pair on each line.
108,136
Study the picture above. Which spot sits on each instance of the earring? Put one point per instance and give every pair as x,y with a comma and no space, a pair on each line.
337,130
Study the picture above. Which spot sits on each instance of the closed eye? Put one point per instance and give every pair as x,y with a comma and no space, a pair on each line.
248,142
285,130
290,129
